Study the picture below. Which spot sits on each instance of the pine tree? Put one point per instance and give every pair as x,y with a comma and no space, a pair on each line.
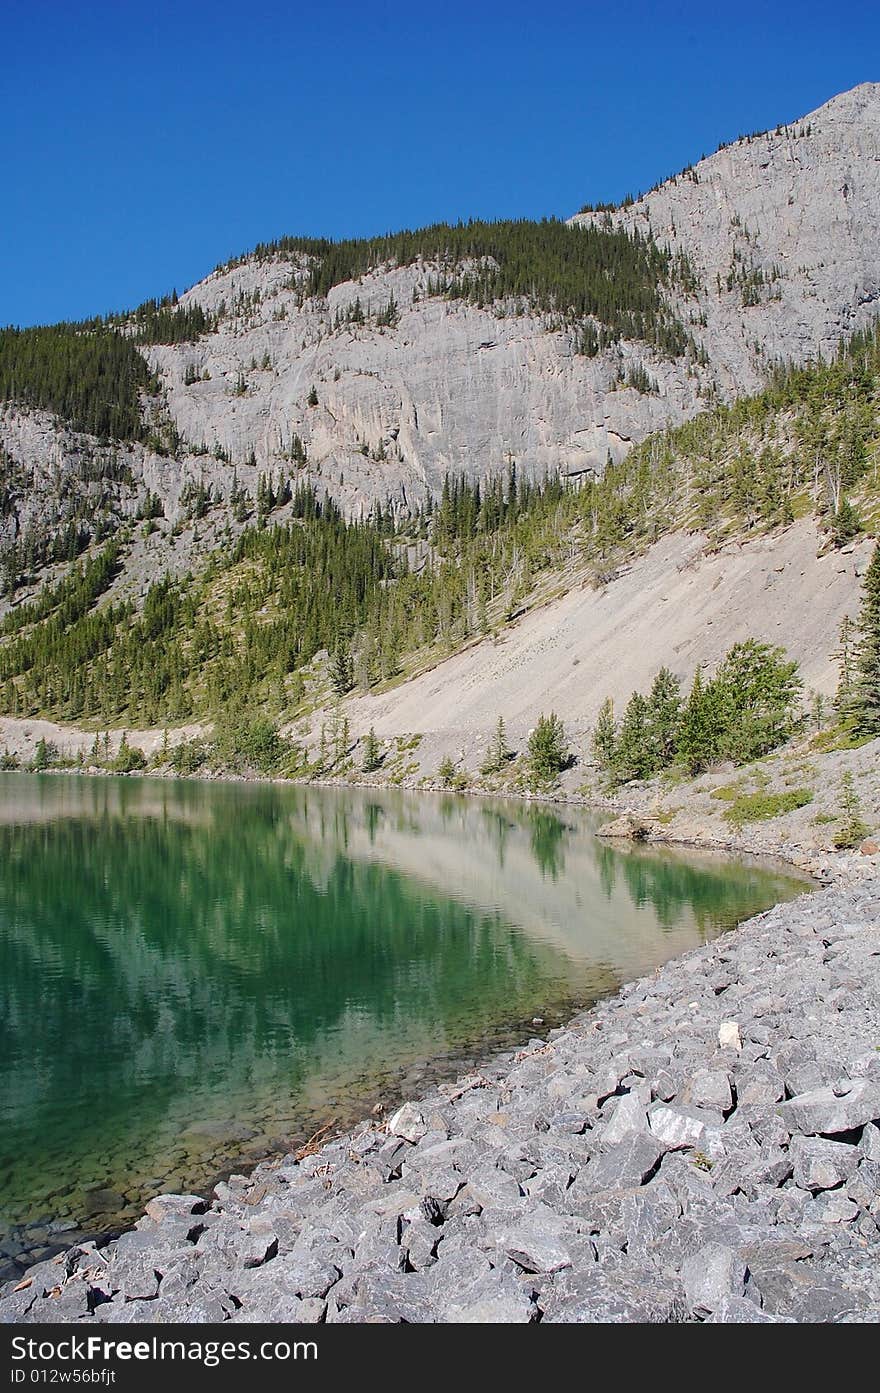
498,753
698,732
866,687
372,752
340,737
851,829
342,668
845,523
664,717
447,771
633,755
365,663
756,689
605,737
845,655
322,749
547,750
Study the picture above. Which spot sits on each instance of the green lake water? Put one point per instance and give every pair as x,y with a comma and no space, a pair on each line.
195,974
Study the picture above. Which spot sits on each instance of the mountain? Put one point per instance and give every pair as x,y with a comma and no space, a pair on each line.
179,455
784,223
778,228
764,251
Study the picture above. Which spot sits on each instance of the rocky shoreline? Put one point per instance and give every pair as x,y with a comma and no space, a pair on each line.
702,1146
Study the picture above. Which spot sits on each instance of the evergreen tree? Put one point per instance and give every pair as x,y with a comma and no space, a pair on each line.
866,687
322,750
128,757
633,755
342,668
757,689
699,729
851,829
605,737
663,718
845,523
847,636
339,734
547,750
372,752
365,663
498,753
447,772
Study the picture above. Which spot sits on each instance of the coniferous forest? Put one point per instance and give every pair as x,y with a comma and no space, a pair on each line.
89,375
93,377
258,612
547,266
246,624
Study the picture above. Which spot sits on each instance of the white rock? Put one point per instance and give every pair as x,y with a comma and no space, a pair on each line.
629,1116
408,1123
729,1037
678,1126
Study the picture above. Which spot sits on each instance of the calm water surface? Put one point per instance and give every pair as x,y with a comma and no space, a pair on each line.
192,974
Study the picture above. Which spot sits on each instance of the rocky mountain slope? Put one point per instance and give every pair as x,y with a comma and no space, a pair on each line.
674,605
778,227
374,371
779,235
677,604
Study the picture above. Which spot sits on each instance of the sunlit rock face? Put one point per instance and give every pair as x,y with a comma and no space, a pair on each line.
778,228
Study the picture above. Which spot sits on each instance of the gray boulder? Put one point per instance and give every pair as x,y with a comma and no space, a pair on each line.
409,1123
869,1146
709,1088
163,1206
627,1117
711,1277
617,1295
839,1108
820,1164
631,1162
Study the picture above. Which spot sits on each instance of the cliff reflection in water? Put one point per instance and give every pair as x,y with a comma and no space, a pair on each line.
184,963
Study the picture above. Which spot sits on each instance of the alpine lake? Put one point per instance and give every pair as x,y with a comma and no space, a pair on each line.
196,975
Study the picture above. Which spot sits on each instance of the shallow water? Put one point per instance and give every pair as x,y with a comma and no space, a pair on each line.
192,974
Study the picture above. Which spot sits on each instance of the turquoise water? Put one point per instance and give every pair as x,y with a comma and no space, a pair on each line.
193,974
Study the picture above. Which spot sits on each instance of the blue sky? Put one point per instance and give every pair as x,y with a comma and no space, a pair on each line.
146,142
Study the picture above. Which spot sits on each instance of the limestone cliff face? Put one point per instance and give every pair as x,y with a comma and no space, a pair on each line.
449,387
780,230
